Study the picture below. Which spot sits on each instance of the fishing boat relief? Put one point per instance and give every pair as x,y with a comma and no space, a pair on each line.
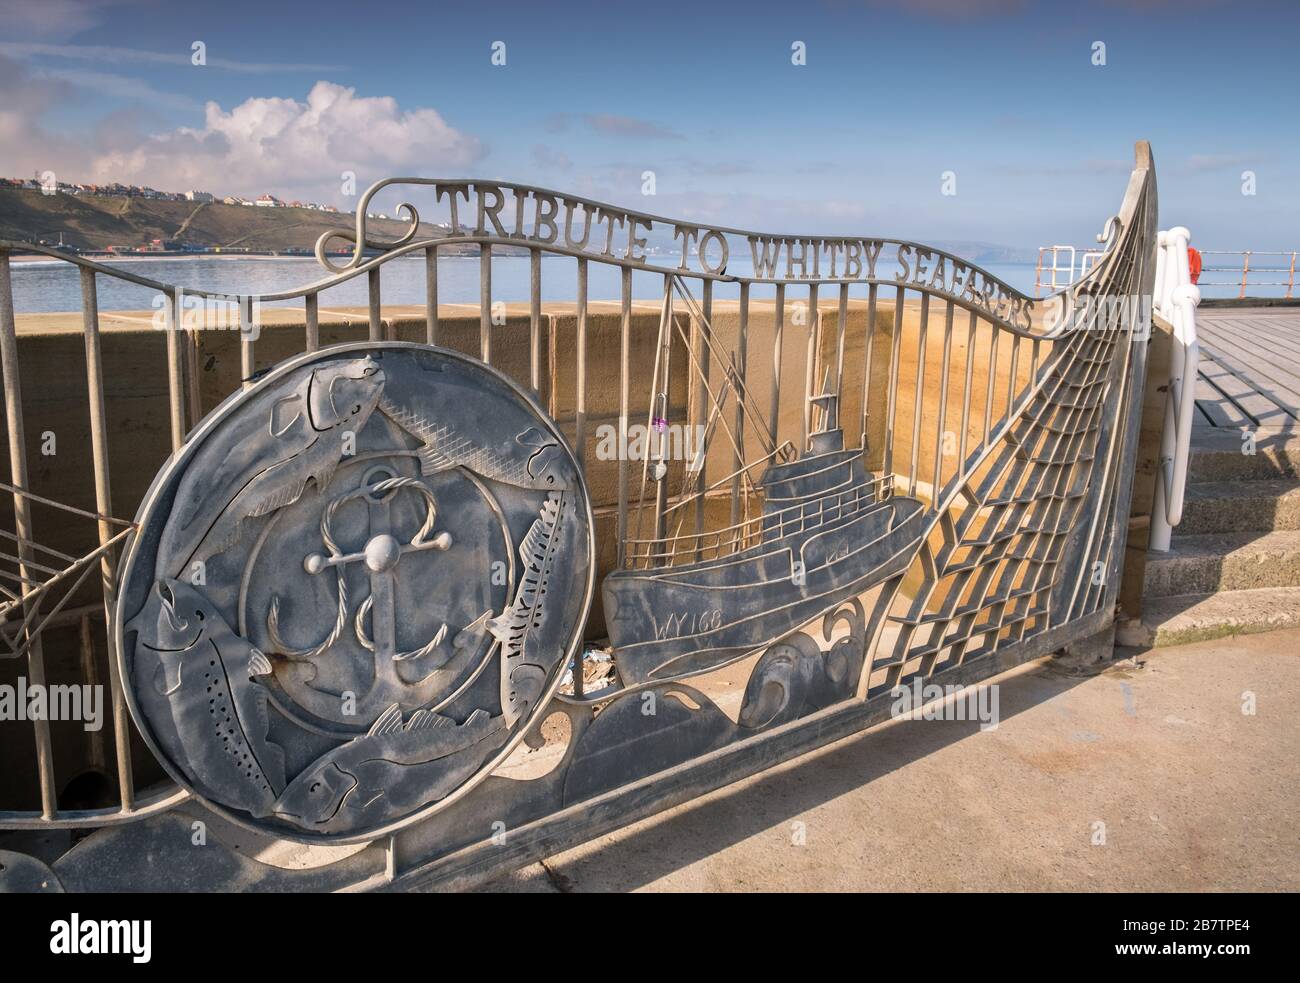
828,531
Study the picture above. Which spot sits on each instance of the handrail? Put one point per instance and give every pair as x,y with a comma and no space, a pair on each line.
1176,299
1244,274
1049,265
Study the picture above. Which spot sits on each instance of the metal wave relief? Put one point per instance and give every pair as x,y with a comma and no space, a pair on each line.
354,589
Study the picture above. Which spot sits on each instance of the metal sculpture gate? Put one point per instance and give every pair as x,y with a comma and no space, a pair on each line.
351,596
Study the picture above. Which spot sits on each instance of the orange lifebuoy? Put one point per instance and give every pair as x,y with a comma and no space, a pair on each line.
1194,263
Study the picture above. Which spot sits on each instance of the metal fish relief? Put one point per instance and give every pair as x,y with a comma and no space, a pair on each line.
205,677
395,765
518,629
269,456
445,447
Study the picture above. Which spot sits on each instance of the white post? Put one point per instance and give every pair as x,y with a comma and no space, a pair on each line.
1175,299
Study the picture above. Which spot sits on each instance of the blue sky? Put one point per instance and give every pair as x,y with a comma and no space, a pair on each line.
1003,94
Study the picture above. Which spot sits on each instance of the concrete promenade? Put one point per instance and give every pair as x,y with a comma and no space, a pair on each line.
1194,794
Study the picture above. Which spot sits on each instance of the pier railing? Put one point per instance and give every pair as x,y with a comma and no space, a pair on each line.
1059,266
1246,269
1224,271
1010,419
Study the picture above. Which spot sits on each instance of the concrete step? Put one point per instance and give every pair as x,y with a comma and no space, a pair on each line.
1217,455
1241,506
1224,561
1196,617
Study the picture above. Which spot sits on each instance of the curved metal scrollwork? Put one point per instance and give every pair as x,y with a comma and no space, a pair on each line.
361,241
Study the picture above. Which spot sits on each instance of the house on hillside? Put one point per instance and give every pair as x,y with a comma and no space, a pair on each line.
200,196
269,201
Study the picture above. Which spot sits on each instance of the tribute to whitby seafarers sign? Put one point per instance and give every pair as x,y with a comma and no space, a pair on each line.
524,215
354,589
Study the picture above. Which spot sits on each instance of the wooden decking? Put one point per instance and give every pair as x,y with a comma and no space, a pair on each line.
1250,368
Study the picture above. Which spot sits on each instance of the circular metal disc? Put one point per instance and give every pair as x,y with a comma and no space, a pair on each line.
354,589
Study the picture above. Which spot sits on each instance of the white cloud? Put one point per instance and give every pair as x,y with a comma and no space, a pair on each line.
295,148
290,148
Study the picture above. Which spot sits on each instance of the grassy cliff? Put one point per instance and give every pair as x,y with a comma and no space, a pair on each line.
96,223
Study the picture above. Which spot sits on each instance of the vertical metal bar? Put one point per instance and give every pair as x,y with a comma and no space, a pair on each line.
810,365
104,506
311,310
192,376
23,520
580,426
893,381
580,405
176,370
839,345
918,402
485,302
372,290
580,397
535,319
866,366
965,402
1013,387
696,414
247,360
942,432
703,397
742,356
661,482
624,402
778,338
89,668
995,333
431,295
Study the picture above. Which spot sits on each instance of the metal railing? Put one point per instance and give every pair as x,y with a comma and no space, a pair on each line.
1175,300
1052,275
1252,268
1010,417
